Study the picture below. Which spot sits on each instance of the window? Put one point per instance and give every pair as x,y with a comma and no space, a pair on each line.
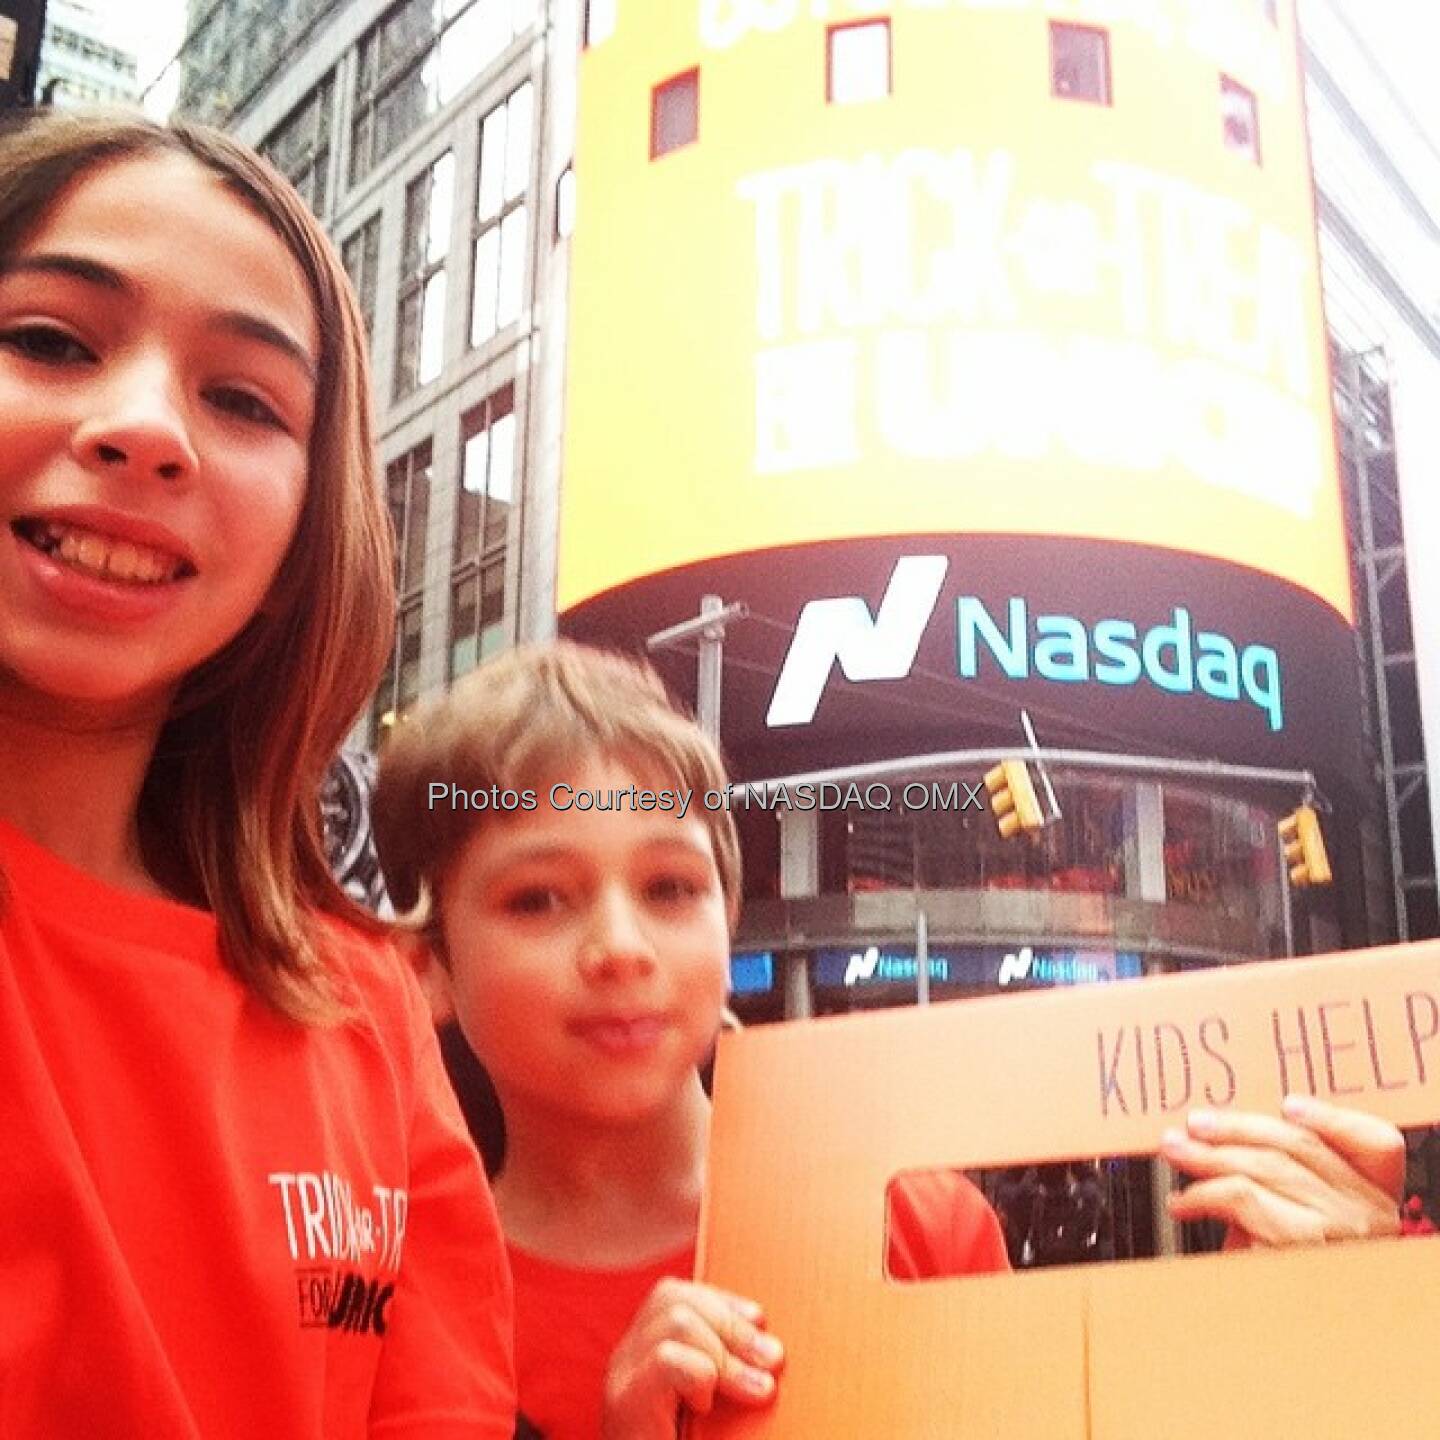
482,530
487,476
599,20
400,684
407,493
1240,120
1219,852
1080,63
501,220
477,616
857,62
418,58
674,114
299,147
941,846
420,327
361,256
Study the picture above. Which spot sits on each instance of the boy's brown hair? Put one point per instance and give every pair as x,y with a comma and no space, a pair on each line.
529,716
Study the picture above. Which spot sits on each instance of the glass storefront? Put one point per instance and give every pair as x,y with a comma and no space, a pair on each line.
937,846
1140,878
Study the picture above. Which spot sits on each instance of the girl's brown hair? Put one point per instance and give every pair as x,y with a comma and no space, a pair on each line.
532,715
229,812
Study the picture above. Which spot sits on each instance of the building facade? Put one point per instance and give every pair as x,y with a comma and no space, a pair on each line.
419,134
81,60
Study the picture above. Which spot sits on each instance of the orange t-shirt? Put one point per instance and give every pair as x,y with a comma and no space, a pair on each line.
568,1321
942,1225
218,1223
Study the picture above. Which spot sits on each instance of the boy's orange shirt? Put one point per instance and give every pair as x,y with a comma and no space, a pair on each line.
568,1321
218,1223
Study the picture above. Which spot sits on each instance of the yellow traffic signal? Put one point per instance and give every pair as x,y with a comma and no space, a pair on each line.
1305,847
1012,798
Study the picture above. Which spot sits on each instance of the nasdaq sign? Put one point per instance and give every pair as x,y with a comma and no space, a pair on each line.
1176,657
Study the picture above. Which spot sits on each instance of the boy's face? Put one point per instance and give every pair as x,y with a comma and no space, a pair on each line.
589,951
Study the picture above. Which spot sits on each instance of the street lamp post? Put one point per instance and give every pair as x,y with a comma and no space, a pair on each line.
709,626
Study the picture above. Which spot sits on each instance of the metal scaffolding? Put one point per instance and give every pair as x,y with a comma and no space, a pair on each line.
1387,646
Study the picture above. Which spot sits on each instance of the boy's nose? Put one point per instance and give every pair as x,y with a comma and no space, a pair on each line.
137,429
616,943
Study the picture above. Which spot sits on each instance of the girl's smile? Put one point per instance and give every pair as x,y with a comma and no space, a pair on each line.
101,569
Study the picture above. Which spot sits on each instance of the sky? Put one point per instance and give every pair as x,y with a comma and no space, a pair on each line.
1402,34
153,30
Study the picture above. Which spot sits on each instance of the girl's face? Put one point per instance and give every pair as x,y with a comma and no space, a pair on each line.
158,350
589,952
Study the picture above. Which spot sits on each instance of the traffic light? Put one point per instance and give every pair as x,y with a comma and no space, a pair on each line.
1305,847
1012,798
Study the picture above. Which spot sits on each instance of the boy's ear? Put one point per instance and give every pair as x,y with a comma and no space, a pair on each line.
433,976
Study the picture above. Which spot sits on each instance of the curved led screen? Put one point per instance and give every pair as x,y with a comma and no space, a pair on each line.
858,292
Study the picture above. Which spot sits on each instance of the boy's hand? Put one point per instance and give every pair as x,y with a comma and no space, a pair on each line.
688,1345
1321,1174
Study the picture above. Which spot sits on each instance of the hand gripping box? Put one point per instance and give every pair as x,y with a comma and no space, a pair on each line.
813,1119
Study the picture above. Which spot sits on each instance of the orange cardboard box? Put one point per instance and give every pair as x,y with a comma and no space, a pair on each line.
813,1119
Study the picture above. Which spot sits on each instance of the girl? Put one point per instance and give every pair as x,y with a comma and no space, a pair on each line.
582,911
236,1195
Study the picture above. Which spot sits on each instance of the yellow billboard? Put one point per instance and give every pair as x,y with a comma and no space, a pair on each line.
976,300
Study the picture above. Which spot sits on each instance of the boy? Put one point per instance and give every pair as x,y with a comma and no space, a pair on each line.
551,812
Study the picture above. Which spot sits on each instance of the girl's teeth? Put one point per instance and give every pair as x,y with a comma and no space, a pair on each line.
125,562
115,560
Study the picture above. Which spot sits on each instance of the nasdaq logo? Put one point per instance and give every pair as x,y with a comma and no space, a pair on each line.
869,647
1175,656
874,966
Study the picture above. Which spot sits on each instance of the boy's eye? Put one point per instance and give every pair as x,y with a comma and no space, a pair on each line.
46,344
533,900
672,889
245,406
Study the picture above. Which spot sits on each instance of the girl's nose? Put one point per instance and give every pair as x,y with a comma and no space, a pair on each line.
138,428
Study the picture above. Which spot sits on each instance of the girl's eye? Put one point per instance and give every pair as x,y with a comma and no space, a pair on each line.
46,344
245,406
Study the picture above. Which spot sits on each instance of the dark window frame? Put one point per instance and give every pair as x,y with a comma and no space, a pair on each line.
509,205
415,279
364,272
408,480
316,111
380,76
470,567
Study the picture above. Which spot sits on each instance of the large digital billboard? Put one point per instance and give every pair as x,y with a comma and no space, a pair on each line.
1004,365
